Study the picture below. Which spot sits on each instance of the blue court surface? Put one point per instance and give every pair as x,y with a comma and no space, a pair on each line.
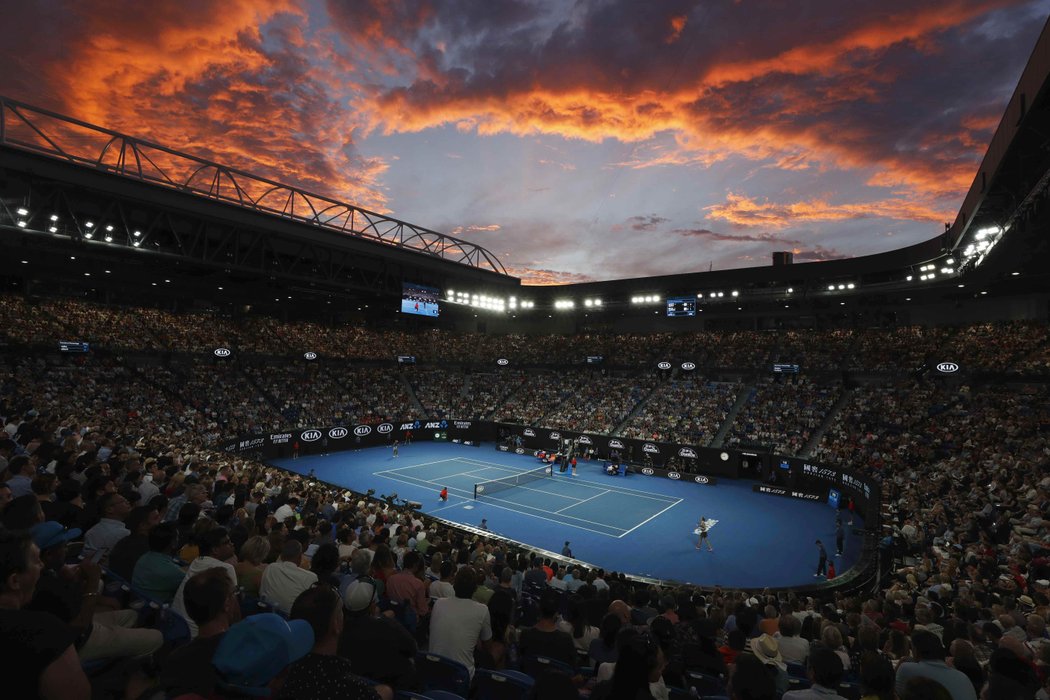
636,524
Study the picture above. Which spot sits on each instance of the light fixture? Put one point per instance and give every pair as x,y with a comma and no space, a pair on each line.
736,293
21,224
22,211
89,224
54,217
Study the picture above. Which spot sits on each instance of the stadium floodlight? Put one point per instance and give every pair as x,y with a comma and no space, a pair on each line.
54,217
88,235
950,261
831,288
908,278
842,286
588,302
947,270
109,238
89,224
22,211
791,290
449,292
721,294
137,233
736,293
53,229
109,227
21,224
136,244
988,231
597,302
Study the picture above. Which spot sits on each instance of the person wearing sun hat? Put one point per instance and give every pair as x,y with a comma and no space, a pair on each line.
767,650
256,650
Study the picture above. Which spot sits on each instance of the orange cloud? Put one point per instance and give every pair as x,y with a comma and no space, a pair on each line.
677,25
546,278
743,211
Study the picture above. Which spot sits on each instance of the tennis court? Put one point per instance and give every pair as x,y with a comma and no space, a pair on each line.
604,509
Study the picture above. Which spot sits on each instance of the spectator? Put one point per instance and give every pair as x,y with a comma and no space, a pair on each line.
408,586
459,625
544,638
211,602
825,672
930,664
378,647
285,579
127,551
322,674
156,574
251,566
35,643
215,549
256,651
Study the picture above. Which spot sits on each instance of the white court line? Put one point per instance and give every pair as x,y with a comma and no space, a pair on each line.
583,501
577,480
422,464
650,518
489,500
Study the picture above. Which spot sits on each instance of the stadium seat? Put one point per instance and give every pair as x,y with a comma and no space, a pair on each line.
437,672
797,670
706,684
502,685
536,665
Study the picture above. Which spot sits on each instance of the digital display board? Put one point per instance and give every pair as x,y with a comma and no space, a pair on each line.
785,369
72,346
681,306
595,359
419,299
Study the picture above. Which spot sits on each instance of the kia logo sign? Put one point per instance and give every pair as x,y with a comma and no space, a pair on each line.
616,444
687,452
947,367
502,362
663,365
338,433
529,432
384,428
648,471
310,435
362,430
650,448
701,480
555,436
674,475
688,366
223,352
310,355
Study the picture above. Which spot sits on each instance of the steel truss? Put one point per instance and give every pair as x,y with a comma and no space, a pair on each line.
29,128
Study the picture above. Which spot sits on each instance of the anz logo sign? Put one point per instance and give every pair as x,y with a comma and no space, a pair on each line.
384,428
687,452
616,444
555,436
362,430
529,432
338,433
223,352
311,435
947,367
584,440
650,448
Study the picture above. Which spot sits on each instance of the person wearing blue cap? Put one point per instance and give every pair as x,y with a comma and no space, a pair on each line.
256,650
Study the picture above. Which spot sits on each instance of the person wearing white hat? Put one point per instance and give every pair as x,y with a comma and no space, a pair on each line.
767,650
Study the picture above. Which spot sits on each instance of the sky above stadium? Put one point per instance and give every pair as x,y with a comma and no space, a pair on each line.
577,141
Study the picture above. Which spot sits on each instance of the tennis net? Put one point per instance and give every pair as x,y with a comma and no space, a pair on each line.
487,488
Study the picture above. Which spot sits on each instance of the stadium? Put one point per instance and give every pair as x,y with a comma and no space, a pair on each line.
199,358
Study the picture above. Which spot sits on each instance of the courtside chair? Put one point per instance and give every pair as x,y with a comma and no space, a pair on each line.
502,685
441,673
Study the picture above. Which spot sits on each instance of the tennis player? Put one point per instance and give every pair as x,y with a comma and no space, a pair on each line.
444,493
701,528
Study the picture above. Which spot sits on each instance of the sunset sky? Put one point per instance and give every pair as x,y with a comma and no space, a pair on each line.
575,140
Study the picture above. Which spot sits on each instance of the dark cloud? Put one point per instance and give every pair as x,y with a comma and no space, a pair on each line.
646,223
735,237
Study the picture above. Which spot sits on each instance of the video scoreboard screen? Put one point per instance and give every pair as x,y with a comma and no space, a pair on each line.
419,299
72,346
681,306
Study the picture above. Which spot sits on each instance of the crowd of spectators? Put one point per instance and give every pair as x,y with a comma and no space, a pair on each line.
277,581
685,411
782,414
